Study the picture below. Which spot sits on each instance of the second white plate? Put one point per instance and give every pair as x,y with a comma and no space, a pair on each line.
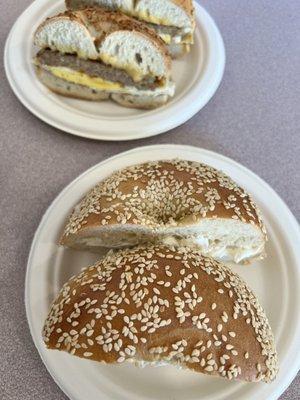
197,77
275,280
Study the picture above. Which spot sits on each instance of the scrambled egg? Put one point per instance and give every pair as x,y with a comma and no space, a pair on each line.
165,37
151,18
83,79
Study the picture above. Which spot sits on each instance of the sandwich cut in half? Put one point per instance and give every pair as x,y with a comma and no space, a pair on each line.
174,202
95,54
164,305
173,20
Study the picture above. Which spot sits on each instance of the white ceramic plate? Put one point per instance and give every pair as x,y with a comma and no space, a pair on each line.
197,77
276,281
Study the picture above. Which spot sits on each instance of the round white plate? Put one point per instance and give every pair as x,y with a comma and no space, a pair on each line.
275,280
197,77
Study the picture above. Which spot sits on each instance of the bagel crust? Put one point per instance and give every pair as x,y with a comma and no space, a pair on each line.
187,6
160,197
158,14
98,23
161,304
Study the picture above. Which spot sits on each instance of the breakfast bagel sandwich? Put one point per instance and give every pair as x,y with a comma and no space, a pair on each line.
173,20
95,54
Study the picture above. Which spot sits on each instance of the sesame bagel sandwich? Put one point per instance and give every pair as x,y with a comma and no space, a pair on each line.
163,305
174,202
95,54
173,20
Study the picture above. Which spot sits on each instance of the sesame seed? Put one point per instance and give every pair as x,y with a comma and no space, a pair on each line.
258,367
211,362
130,274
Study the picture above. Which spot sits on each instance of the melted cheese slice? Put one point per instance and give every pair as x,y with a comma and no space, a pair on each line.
168,39
151,18
82,79
165,37
189,38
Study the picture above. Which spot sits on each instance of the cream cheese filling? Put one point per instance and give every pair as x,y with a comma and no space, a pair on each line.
98,242
216,250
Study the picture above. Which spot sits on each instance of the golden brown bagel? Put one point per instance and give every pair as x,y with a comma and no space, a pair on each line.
173,202
161,304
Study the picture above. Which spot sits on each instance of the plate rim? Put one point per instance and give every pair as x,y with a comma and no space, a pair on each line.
292,221
153,129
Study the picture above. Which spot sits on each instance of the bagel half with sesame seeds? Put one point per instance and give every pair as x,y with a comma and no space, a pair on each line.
175,202
164,305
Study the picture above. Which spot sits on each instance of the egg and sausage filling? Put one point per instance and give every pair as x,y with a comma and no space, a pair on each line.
90,73
172,34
